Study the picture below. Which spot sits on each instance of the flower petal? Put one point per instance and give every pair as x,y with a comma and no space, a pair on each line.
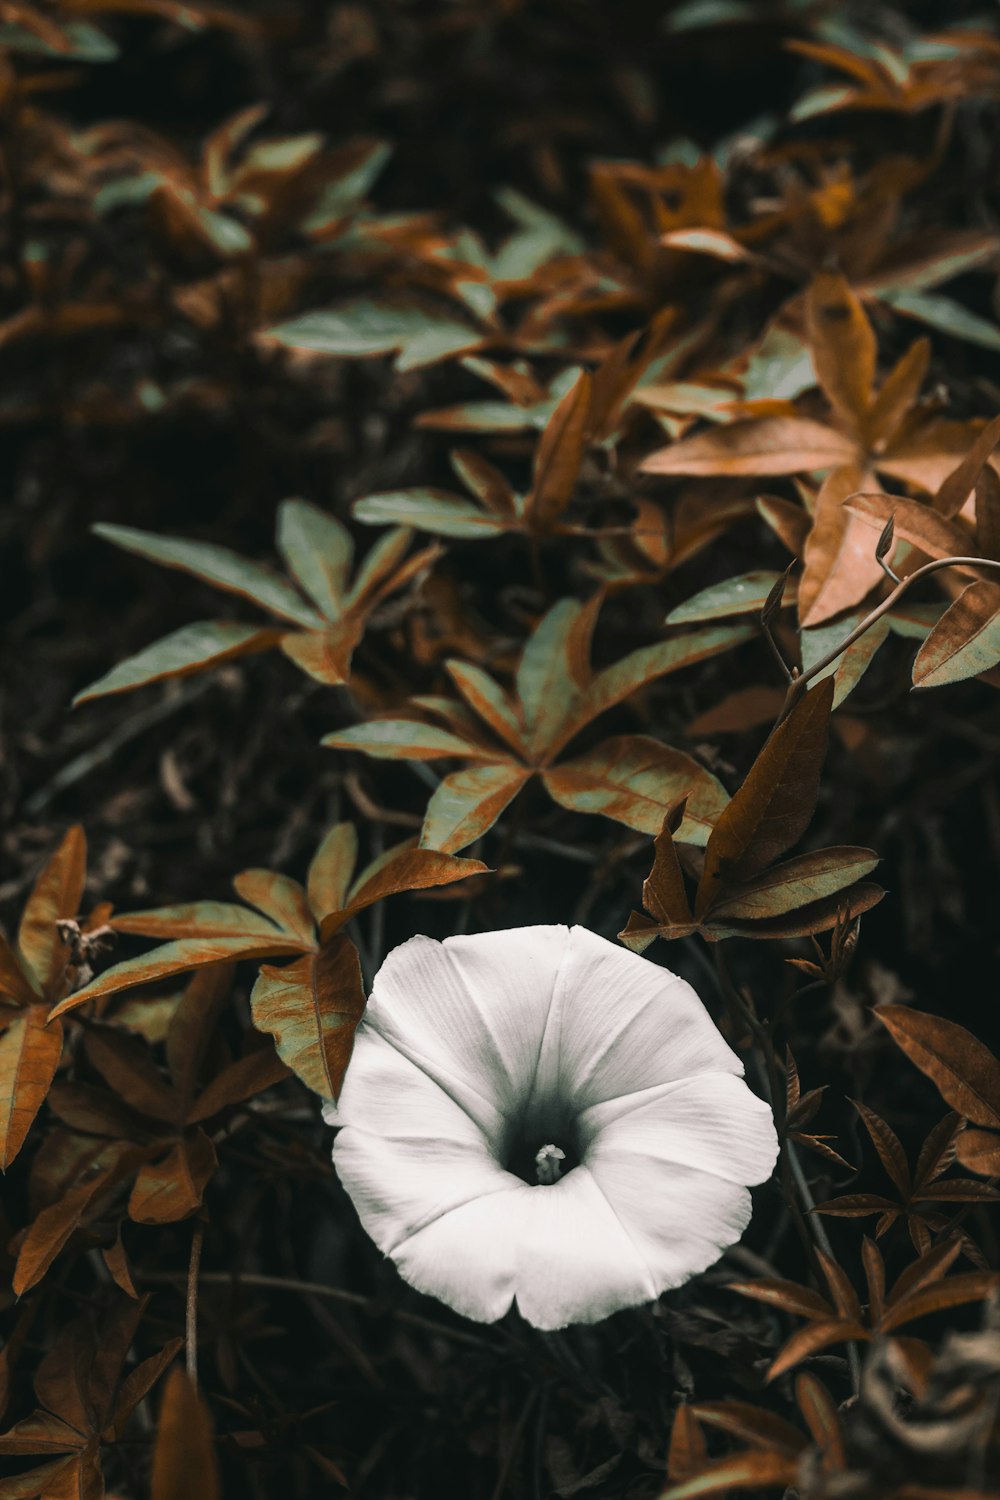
472,1008
711,1122
468,1257
578,1263
679,1218
560,1250
408,1151
620,1023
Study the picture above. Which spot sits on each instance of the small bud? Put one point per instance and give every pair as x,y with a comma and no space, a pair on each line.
884,546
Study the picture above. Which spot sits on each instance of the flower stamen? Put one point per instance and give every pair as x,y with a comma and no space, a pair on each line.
547,1165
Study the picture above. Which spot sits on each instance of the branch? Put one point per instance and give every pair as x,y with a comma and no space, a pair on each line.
798,685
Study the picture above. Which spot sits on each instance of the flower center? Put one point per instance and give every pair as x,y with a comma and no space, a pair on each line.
548,1164
541,1151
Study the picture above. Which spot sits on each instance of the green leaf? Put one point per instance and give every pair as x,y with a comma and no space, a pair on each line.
408,868
744,595
330,871
346,192
190,649
946,315
205,919
550,675
318,551
848,668
404,739
312,1008
797,882
436,511
358,330
280,898
176,958
620,681
467,803
216,565
965,641
636,780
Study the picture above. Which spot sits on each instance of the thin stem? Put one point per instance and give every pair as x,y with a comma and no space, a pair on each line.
765,1041
191,1312
798,685
786,671
317,1289
823,1241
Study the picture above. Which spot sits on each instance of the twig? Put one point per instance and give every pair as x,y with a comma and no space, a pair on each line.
805,1208
822,1240
137,724
513,1443
798,685
317,1289
191,1310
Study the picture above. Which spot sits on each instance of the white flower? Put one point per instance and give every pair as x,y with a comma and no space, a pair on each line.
539,1114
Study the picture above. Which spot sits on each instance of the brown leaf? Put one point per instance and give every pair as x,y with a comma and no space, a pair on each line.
758,446
772,808
409,868
898,394
117,1263
965,641
468,802
173,1186
56,895
15,983
787,1296
795,883
560,453
754,1425
988,513
636,779
125,1063
243,1079
312,1009
814,1338
331,869
54,1225
888,1146
688,1452
184,1444
843,347
956,489
839,556
966,1073
954,1291
820,1412
29,1056
663,893
979,1150
745,1471
281,899
914,523
841,1290
179,957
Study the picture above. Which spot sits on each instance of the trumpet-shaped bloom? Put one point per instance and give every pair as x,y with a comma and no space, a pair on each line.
541,1115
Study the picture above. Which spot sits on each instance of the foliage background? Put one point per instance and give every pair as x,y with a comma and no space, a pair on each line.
139,391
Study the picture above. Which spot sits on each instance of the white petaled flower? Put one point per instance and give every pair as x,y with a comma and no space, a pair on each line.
538,1114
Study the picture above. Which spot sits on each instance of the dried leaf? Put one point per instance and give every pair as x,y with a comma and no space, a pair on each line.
966,1073
772,808
184,1444
312,1009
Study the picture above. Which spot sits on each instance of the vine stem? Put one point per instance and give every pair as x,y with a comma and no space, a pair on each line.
806,1206
191,1306
797,686
317,1289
